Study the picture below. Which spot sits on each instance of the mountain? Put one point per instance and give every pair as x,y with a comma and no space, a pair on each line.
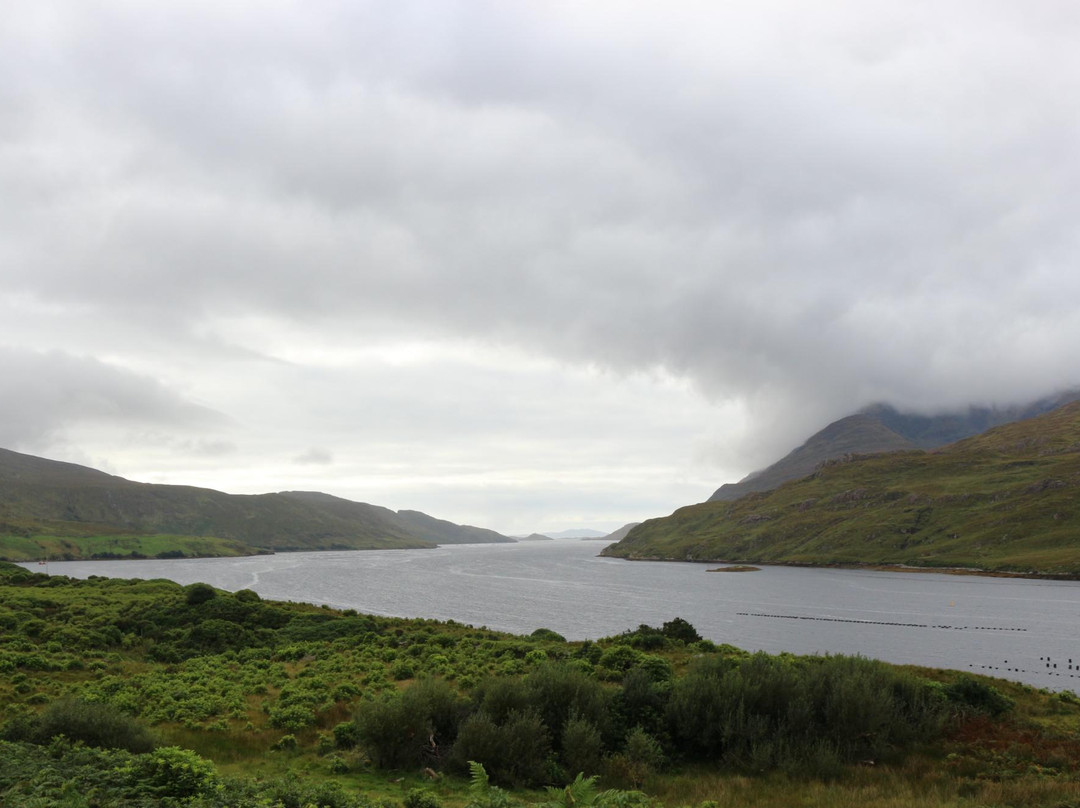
576,533
882,428
85,512
621,533
1004,500
439,531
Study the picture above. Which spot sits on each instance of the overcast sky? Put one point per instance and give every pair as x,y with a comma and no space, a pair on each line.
524,265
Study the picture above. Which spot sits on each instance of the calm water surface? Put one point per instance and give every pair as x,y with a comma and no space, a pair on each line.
1019,629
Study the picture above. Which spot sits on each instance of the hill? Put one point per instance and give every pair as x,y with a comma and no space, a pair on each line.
70,511
620,533
882,428
1004,500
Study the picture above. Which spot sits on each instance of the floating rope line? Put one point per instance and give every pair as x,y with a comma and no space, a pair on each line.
877,622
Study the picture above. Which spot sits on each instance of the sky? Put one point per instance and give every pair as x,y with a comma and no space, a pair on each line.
524,265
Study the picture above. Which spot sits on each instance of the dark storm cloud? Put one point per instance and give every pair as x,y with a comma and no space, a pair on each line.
801,207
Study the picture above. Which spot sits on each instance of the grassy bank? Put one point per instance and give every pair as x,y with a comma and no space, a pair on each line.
109,546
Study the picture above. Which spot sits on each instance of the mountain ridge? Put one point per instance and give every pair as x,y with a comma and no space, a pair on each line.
41,497
883,428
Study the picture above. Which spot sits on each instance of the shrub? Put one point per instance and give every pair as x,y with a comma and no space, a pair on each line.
199,593
971,694
515,752
174,772
346,735
582,746
681,631
619,658
420,798
559,691
287,743
93,724
291,716
774,711
415,727
547,635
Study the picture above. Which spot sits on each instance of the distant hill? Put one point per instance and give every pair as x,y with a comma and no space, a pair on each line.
1005,500
575,533
439,531
882,428
618,535
82,512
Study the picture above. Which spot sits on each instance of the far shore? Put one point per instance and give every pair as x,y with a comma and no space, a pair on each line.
741,567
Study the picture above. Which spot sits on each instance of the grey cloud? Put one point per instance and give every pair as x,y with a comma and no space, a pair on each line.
805,208
314,456
43,393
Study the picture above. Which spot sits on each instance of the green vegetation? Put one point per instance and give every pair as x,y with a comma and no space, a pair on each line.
126,692
74,548
1002,501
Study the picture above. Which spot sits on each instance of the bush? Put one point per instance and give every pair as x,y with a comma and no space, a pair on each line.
346,735
515,752
94,724
558,691
420,798
619,658
174,772
291,716
767,711
976,696
547,635
199,593
415,727
681,631
287,743
582,746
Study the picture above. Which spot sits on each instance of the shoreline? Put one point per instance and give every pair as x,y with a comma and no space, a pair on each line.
867,565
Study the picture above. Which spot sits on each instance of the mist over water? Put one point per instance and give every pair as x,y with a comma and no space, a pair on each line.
1025,630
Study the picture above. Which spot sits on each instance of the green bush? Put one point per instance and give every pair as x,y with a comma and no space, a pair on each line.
516,752
173,772
415,727
582,746
291,716
346,735
764,711
971,694
94,724
421,798
199,593
619,658
681,631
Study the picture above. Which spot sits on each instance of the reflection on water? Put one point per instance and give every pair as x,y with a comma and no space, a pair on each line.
1019,629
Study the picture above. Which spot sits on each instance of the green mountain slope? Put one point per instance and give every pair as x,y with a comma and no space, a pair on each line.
1003,500
881,428
67,510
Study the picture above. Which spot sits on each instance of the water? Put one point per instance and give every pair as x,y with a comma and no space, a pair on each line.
1025,630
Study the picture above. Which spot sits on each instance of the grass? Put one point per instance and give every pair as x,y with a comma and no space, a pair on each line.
78,548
